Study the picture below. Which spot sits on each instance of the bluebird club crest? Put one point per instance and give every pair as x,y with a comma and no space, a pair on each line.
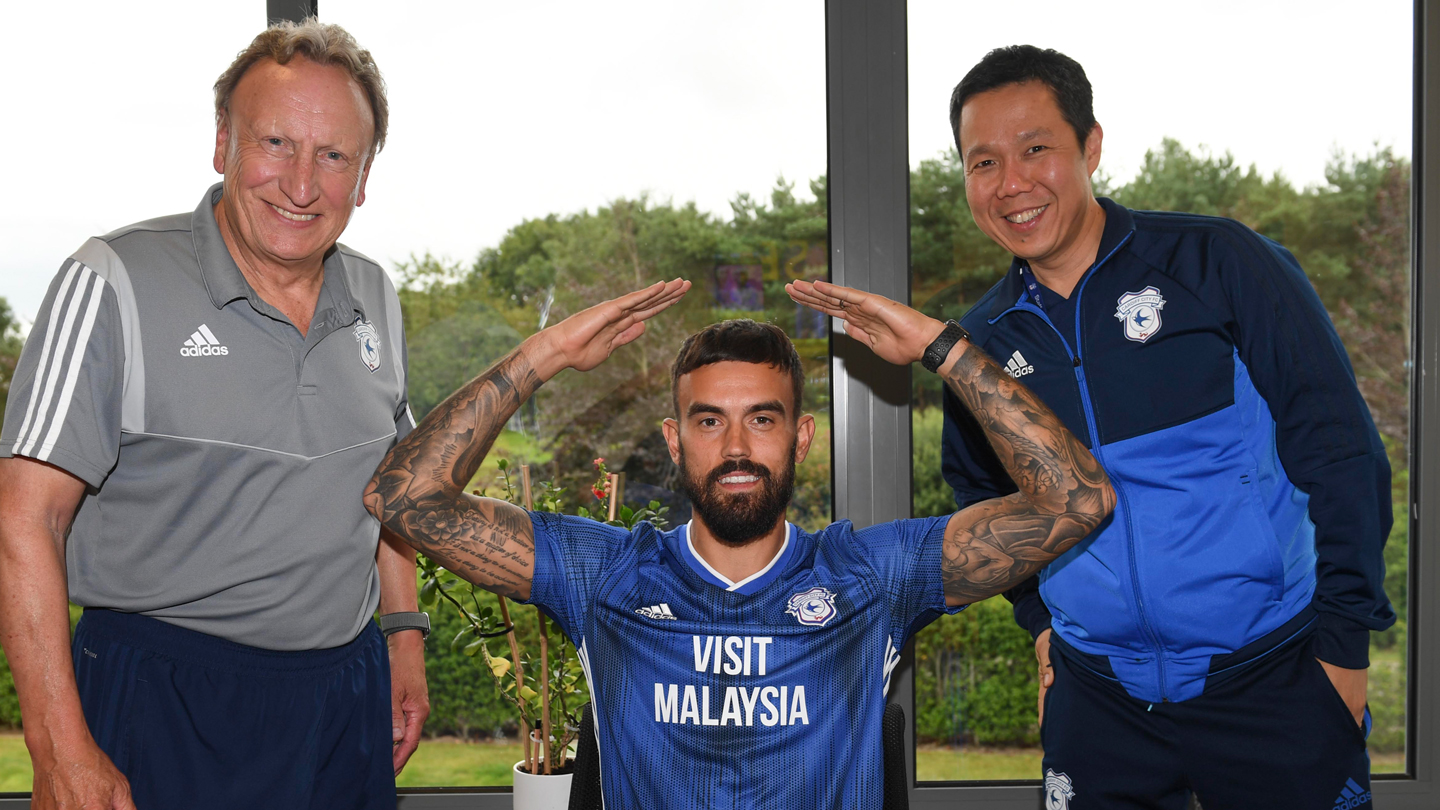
1140,312
814,607
369,341
1058,790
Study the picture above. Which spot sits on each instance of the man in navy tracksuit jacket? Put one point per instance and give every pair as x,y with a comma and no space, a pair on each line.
1212,636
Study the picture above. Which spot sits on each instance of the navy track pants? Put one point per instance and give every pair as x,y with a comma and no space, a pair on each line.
1272,733
195,721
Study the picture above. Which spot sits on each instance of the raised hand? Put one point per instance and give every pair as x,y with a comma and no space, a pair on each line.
584,340
893,331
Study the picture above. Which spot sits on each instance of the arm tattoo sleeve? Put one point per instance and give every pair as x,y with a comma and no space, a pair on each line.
419,490
1064,493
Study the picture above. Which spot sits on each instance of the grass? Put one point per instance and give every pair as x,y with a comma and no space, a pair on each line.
456,763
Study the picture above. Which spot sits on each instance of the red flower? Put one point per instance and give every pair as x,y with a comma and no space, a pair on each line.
599,462
599,493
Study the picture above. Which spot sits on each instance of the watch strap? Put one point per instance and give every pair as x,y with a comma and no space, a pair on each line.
937,351
395,622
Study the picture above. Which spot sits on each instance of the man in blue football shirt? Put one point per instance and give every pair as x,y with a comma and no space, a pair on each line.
739,661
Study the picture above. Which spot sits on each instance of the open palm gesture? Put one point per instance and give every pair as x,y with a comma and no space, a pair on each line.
586,338
892,330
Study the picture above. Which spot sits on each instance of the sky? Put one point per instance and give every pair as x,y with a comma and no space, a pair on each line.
506,111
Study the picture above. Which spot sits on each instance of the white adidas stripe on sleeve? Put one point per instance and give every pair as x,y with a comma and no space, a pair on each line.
45,350
67,394
57,362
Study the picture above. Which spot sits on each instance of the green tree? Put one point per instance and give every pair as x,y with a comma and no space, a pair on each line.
10,345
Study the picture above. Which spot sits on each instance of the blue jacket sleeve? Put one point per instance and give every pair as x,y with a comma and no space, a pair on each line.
1326,439
971,469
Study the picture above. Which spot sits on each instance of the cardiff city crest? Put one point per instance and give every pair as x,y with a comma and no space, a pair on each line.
814,607
369,341
1058,791
1140,312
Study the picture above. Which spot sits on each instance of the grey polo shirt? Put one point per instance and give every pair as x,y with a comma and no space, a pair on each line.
225,453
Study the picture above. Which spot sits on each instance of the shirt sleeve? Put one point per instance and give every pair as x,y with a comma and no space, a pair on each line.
905,556
1327,442
572,555
65,400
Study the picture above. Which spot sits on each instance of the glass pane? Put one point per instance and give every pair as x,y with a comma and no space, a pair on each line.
1319,162
544,157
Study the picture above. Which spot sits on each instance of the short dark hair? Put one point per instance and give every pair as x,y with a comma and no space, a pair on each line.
741,340
1017,64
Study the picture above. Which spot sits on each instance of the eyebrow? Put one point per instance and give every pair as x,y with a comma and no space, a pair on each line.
704,407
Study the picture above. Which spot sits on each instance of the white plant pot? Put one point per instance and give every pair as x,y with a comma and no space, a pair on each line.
540,792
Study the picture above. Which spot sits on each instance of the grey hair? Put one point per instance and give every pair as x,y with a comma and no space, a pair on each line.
321,43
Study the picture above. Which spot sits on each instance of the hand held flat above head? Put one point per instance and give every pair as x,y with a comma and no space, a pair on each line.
584,340
896,333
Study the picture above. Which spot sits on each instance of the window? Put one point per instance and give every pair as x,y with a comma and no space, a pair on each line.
542,159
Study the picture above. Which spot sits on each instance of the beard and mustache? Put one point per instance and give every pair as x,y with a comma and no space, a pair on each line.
739,519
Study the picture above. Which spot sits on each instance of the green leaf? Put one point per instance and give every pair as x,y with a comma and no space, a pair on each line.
473,648
528,694
502,464
427,593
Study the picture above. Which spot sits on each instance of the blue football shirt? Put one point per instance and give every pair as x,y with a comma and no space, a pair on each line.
763,693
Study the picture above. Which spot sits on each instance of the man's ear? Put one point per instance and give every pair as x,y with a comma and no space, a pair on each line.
671,429
804,434
364,178
222,140
1092,148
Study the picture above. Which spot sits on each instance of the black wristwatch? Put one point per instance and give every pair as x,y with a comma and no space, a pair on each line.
936,352
395,622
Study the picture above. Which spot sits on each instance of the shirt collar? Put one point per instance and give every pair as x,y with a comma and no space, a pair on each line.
748,585
224,281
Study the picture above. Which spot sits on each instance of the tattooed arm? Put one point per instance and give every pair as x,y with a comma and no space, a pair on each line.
419,490
1064,494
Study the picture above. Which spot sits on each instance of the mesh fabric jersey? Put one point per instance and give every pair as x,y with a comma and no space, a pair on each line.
767,692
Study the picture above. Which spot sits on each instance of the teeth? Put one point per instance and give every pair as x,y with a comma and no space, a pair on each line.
1025,216
295,217
739,479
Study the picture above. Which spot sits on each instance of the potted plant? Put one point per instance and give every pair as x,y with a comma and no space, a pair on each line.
548,717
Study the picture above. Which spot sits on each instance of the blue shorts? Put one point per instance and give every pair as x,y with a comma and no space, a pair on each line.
1268,732
197,721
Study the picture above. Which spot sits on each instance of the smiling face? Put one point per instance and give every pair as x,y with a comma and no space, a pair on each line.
737,441
1027,178
294,147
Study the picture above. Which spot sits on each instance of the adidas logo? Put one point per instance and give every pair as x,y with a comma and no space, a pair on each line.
660,611
203,343
1017,366
1351,796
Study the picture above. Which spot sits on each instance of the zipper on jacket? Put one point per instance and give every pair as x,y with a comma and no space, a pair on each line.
1152,636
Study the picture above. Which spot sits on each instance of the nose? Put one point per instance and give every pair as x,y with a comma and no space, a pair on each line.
737,442
1014,179
298,180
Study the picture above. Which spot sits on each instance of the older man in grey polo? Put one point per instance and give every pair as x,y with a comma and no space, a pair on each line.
199,407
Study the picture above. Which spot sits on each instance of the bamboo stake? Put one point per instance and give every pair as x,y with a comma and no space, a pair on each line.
544,743
614,495
519,678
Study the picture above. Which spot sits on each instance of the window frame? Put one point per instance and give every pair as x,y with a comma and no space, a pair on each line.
867,95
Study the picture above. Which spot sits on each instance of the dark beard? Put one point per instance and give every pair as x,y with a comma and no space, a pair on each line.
739,520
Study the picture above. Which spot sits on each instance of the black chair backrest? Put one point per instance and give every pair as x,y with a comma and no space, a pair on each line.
892,741
585,784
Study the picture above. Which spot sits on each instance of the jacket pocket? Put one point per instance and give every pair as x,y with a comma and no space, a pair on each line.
1250,484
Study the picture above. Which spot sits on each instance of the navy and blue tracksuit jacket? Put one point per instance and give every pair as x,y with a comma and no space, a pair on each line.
1197,363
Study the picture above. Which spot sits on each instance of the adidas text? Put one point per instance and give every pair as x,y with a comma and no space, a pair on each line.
660,611
203,343
1017,367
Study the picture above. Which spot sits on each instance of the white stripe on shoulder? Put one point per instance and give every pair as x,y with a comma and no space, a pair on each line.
50,330
67,394
61,358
